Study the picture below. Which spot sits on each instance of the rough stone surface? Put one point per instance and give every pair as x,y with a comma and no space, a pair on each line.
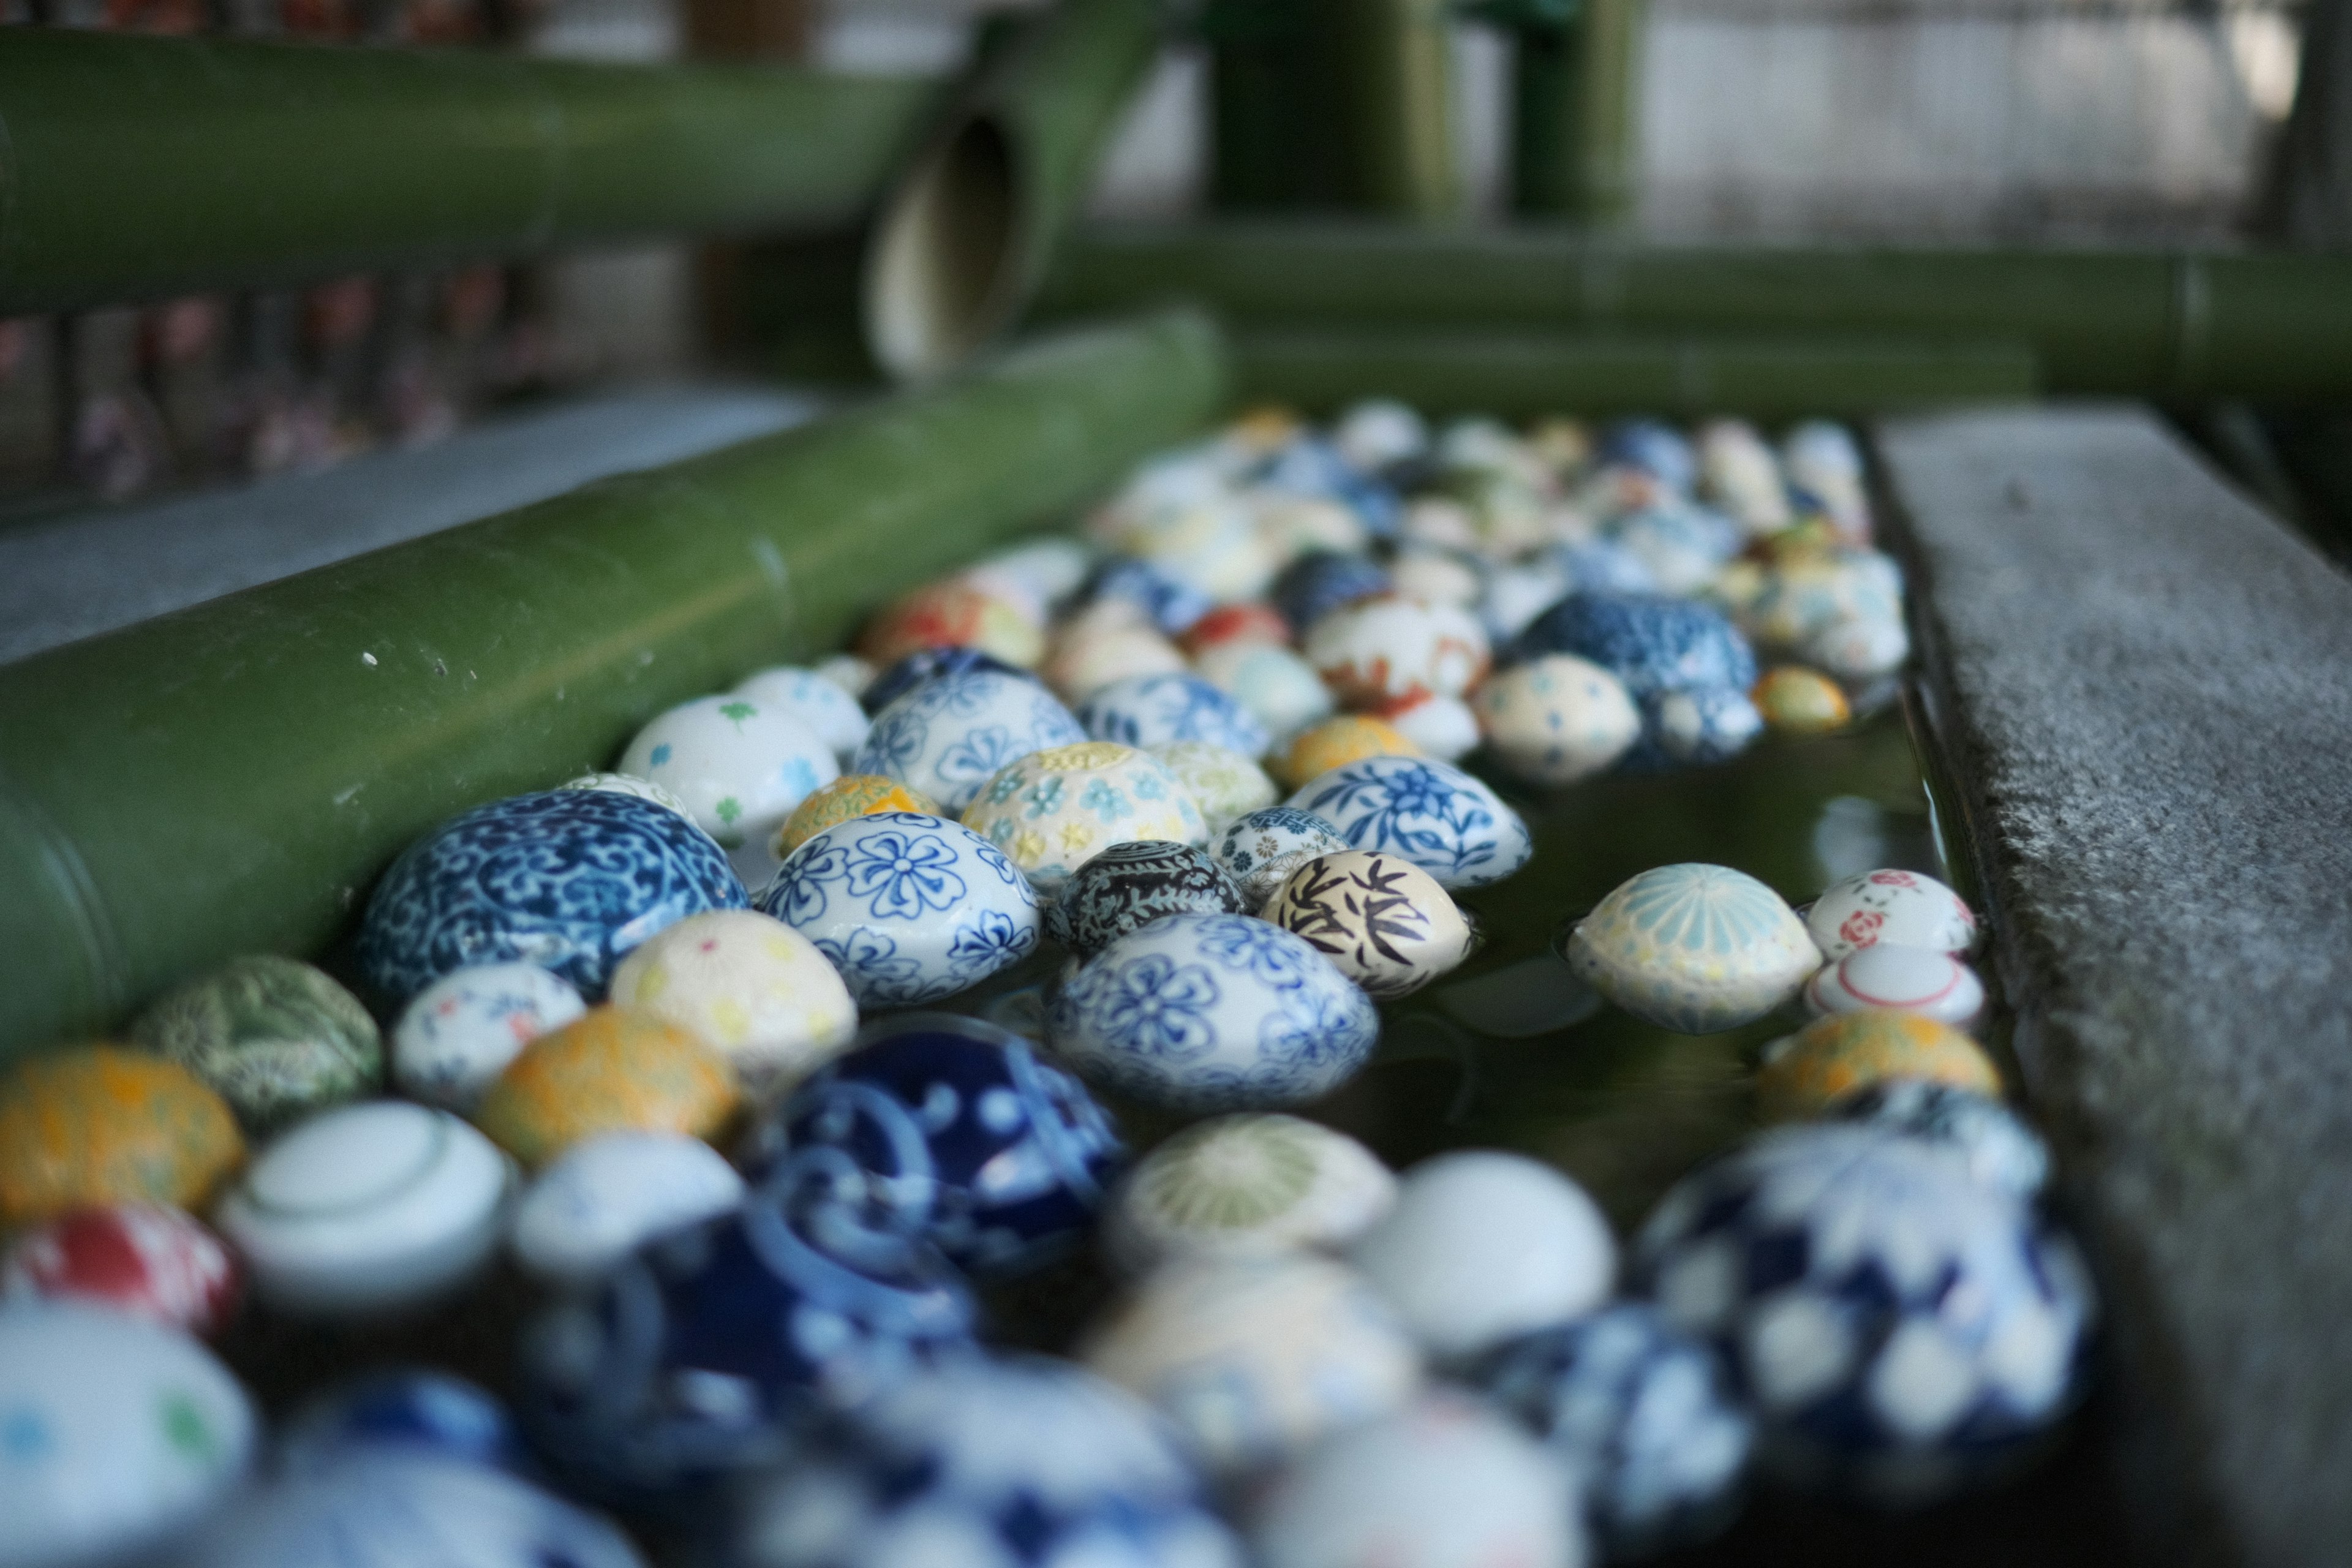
2142,690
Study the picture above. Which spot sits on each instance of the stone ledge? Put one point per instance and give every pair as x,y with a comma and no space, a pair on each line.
2141,686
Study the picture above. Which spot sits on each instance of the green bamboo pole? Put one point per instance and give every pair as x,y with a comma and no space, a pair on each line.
1395,71
140,167
1519,375
964,238
2150,322
230,778
1575,107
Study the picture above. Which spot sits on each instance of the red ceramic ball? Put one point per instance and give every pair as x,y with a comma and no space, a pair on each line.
1237,623
141,1257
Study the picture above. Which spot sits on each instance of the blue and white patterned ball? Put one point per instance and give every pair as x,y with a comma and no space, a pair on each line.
1313,467
1214,1012
1999,1149
926,665
381,1509
1653,446
1014,1463
570,880
1322,581
1261,850
1901,1331
830,714
411,1409
702,1354
1599,567
1640,1413
1651,642
1144,711
1128,885
954,1130
1432,814
947,736
1687,729
1682,546
908,907
1171,605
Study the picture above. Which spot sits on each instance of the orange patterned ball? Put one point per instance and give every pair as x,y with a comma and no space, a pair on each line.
99,1125
1837,1055
852,794
616,1070
1795,700
952,614
1336,742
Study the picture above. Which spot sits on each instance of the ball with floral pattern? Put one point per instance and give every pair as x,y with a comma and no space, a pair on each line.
908,907
1052,812
1128,886
1159,710
949,736
1432,814
954,1130
1214,1013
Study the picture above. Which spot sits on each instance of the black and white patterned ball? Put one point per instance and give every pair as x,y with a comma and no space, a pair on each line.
1640,1413
1901,1330
1015,1463
1998,1148
1128,886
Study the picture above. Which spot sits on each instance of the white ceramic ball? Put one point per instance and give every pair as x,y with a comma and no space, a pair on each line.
1483,1245
1557,719
368,1208
603,1198
1245,1185
1904,979
739,766
830,714
1906,909
460,1032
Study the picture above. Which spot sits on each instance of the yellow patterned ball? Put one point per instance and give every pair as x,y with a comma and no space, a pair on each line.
1837,1055
1051,812
99,1125
750,985
616,1070
1336,742
1795,700
852,794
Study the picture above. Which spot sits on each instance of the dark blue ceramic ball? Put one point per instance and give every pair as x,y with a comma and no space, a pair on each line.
1172,605
924,666
1128,885
1321,580
411,1409
1650,642
953,1129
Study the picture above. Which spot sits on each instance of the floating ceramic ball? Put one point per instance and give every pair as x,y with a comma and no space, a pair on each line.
909,908
1693,947
411,1410
1247,1185
1213,1012
1899,909
458,1034
1155,709
1221,782
1052,812
1379,650
1481,1246
1336,742
1441,727
951,615
1378,432
1741,474
1651,642
1321,580
391,1509
1899,1330
956,1131
1261,850
1557,719
615,1070
1991,1140
568,880
1091,1476
629,783
847,797
748,983
1640,1413
1795,700
824,710
1684,546
1256,1359
1833,1056
1435,577
1088,657
368,1208
1902,979
1432,814
94,1125
276,1038
1280,689
1173,589
1053,566
604,1196
739,766
155,1262
115,1433
1384,921
1128,886
1859,650
951,736
1705,724
1443,1483
702,1353
920,669
1249,624
1807,593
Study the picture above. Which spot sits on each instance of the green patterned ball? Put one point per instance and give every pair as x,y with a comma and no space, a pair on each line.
276,1038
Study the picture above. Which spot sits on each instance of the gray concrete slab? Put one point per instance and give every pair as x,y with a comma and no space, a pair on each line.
76,576
2142,688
